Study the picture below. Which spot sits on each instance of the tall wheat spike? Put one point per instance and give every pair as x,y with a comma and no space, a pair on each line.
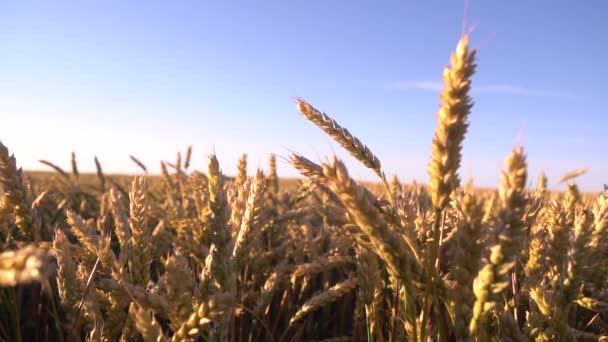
141,234
452,116
15,195
494,278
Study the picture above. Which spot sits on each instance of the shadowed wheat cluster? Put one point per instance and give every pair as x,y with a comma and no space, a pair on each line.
193,256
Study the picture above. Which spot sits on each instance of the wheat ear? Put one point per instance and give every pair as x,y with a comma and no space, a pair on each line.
24,266
148,327
453,115
325,298
342,136
15,196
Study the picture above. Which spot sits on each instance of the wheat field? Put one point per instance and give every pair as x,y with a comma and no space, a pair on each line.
201,256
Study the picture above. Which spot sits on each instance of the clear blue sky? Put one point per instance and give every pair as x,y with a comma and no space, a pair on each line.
113,78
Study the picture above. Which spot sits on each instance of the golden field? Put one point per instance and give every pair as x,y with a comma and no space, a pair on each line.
199,256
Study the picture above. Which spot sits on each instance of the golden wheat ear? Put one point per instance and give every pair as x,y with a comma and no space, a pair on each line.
452,125
342,136
24,266
15,199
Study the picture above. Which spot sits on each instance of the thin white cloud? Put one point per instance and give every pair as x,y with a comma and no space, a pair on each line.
423,85
436,85
519,90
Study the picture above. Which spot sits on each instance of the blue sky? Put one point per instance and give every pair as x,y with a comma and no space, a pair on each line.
113,78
